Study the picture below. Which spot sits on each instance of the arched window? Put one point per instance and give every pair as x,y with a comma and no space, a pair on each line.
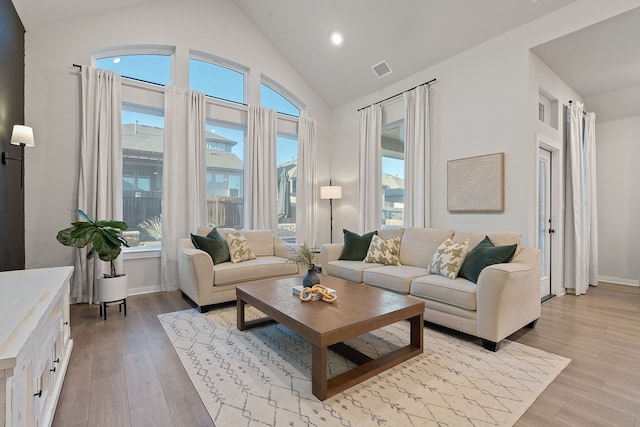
217,77
276,97
151,64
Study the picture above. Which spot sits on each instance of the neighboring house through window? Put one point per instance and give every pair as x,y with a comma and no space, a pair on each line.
393,166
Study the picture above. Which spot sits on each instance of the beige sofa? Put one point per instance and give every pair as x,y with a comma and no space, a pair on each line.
206,284
505,298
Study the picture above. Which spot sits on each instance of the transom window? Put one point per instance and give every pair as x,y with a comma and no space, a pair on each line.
271,96
216,80
150,68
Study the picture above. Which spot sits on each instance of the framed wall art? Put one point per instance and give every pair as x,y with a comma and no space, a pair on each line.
476,184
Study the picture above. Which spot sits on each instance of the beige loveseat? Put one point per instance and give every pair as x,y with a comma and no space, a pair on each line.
206,284
505,298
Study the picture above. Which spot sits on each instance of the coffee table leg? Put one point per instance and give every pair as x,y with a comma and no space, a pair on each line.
417,331
240,314
319,371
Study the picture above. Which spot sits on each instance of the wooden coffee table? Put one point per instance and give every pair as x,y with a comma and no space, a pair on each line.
359,309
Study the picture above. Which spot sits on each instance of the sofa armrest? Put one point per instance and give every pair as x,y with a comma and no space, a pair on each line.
195,272
330,252
508,295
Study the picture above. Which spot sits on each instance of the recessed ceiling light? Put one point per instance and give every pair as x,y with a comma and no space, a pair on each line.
336,38
116,60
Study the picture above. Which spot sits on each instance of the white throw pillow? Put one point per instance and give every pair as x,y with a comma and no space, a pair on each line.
239,248
449,258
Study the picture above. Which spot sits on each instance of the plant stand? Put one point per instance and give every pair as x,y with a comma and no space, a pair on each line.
121,303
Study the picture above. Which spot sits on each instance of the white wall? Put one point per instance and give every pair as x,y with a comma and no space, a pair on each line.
52,94
481,104
617,160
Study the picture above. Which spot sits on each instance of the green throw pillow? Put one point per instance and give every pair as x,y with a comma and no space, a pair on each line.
385,252
213,244
484,255
355,246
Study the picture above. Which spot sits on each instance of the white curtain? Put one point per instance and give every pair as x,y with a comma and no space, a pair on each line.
591,197
306,192
260,170
370,167
417,157
183,176
100,178
581,233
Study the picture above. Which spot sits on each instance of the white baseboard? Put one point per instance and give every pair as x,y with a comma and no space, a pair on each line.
618,281
145,290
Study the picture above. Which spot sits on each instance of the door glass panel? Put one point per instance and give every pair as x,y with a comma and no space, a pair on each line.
542,209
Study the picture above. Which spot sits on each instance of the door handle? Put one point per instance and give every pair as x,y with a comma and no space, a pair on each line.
551,231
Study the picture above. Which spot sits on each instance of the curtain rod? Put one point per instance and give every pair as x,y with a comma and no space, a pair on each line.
397,94
77,66
584,113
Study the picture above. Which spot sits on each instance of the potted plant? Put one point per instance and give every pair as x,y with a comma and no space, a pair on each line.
103,238
305,257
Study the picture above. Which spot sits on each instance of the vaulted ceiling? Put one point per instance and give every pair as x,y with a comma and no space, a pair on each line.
410,35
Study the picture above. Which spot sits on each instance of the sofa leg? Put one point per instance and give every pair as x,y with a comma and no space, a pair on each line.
490,345
532,324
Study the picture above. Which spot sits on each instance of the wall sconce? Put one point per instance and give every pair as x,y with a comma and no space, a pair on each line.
22,136
331,192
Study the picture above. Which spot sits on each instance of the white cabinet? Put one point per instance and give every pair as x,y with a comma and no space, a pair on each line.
35,344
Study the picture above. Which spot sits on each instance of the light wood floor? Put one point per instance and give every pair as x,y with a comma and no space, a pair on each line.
124,371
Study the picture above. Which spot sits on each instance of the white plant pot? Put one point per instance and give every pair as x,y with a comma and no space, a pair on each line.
111,289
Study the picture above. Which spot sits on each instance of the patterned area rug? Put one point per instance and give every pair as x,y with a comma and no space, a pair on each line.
262,377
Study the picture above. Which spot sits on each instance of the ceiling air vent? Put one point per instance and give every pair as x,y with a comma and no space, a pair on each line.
381,69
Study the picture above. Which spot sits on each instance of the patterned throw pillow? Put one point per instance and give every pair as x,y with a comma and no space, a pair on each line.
384,251
239,249
449,258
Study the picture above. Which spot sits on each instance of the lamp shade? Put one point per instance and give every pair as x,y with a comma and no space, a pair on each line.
331,192
22,135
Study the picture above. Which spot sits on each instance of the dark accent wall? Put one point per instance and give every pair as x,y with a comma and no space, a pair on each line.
11,113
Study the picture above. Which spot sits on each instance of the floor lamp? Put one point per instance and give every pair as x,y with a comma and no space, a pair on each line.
331,192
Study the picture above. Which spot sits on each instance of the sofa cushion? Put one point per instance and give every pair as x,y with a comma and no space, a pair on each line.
419,244
483,255
390,233
449,258
239,248
213,244
384,251
459,292
348,270
355,246
393,278
261,241
259,268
